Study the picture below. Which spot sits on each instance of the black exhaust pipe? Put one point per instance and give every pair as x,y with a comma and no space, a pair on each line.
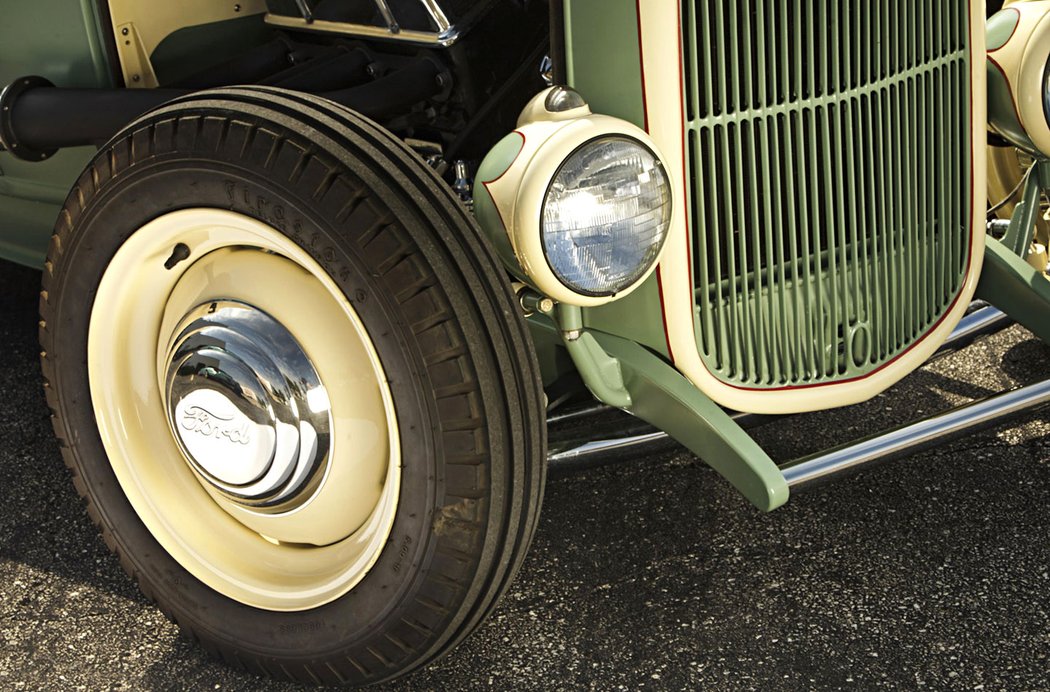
37,118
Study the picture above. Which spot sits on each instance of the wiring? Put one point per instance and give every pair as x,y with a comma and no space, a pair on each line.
1013,193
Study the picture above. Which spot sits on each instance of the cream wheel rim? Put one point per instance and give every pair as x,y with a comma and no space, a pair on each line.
244,409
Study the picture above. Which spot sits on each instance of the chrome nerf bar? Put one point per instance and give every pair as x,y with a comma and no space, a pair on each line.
981,320
914,437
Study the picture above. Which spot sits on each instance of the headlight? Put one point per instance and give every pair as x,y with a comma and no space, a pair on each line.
605,216
578,205
1019,75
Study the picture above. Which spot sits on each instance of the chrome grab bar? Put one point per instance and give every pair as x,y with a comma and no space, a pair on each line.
443,33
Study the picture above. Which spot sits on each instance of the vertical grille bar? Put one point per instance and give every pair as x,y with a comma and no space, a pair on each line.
828,146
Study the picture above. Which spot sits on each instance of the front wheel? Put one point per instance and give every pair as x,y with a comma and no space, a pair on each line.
292,385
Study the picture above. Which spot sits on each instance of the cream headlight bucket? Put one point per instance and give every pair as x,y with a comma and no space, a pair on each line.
578,204
1018,78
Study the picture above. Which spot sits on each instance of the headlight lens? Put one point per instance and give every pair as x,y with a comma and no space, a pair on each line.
606,215
1046,92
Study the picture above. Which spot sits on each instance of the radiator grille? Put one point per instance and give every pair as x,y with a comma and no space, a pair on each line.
829,152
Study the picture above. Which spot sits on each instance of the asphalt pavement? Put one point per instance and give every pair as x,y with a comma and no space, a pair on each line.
927,573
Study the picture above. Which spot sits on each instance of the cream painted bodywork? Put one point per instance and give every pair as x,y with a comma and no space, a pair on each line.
284,562
1006,170
548,140
139,26
664,89
1023,59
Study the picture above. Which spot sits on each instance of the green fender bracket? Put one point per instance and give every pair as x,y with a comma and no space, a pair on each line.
1015,287
602,374
1022,223
623,374
663,397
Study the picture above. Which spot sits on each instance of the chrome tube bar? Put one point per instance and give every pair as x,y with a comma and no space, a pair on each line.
304,10
592,449
579,412
914,437
982,321
445,33
437,15
388,16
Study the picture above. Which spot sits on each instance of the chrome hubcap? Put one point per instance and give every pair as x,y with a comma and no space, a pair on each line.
247,407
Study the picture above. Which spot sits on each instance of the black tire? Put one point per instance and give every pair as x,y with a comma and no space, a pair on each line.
437,304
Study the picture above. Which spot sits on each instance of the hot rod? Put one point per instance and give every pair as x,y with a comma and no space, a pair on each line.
316,273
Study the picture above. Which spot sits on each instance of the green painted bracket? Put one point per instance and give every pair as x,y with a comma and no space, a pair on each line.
1016,287
660,395
1018,238
599,371
621,373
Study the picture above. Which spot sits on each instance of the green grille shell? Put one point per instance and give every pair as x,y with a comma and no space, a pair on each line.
829,149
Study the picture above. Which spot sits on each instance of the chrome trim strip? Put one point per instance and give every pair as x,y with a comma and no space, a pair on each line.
914,437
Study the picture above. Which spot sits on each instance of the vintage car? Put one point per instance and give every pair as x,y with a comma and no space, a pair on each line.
316,273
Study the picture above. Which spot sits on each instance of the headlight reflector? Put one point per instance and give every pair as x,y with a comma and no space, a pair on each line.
606,215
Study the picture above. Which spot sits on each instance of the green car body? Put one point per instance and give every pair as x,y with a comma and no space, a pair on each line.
72,52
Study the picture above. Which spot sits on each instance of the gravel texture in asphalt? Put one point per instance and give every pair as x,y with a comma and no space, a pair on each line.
932,572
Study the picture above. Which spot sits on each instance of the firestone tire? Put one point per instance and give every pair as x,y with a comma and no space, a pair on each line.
325,248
